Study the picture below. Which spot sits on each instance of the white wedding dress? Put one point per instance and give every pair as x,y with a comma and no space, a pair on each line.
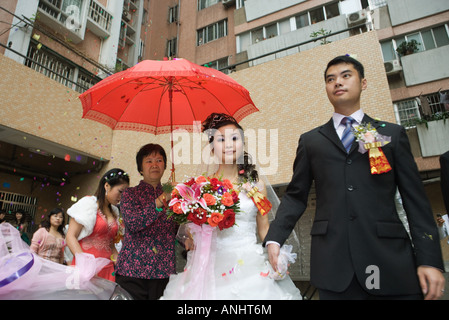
240,266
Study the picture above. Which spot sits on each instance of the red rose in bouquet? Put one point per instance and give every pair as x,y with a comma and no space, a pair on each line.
228,219
198,216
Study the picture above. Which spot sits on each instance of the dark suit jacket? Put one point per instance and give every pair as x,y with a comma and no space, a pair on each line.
356,223
444,162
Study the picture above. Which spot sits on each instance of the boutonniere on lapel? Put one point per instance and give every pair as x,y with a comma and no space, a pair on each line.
370,140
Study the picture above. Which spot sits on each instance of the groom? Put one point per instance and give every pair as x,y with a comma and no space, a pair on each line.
360,248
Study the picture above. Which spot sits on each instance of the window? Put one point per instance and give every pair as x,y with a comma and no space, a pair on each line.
173,14
441,36
212,32
409,110
219,64
171,47
332,10
406,112
302,21
257,35
388,51
317,15
58,68
428,39
271,30
284,26
203,4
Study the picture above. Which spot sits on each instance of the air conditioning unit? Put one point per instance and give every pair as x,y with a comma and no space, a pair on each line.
355,18
392,67
228,3
126,15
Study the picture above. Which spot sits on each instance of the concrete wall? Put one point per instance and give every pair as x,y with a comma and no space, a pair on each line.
402,11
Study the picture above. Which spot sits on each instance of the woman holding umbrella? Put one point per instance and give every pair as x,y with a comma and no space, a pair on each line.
147,257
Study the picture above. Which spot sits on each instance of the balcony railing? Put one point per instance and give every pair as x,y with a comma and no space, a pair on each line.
59,69
63,13
99,19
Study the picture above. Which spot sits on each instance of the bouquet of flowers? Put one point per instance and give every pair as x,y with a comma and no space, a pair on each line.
204,200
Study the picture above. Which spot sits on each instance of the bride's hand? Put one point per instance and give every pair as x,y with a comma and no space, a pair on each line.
273,255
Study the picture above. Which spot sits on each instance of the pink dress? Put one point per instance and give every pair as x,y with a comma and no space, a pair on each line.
48,246
99,243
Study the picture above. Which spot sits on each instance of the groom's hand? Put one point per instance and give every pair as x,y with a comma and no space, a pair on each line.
273,255
432,282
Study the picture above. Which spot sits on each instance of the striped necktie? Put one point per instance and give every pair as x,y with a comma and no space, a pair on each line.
348,137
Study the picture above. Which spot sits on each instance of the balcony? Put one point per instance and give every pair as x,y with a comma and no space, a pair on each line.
298,36
58,14
433,137
426,66
99,20
59,69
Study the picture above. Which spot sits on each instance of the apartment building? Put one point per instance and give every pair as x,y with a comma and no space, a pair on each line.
75,42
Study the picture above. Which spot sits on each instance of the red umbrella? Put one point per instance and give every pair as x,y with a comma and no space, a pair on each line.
160,96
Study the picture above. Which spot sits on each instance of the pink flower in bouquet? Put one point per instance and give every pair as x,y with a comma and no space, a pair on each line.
369,137
204,201
190,196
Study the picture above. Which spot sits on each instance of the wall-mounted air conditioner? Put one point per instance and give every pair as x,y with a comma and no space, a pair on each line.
356,18
392,67
228,3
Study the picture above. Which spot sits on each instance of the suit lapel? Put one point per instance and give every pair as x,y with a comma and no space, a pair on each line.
328,130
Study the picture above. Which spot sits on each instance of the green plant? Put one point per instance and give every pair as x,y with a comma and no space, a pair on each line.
434,117
321,35
408,47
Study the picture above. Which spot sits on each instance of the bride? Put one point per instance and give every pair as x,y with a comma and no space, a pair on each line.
240,267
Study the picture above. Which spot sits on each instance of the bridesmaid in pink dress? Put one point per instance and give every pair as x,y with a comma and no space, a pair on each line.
94,223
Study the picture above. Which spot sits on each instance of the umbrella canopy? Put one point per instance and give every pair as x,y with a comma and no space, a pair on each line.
161,96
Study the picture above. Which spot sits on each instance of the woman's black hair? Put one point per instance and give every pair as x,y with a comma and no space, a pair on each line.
246,169
24,216
147,150
113,177
46,223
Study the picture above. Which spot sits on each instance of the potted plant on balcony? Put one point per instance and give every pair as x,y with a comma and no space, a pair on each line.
408,47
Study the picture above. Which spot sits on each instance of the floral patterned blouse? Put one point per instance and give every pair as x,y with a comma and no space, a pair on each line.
148,250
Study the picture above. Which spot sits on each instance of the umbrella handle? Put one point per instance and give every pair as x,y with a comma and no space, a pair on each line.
172,175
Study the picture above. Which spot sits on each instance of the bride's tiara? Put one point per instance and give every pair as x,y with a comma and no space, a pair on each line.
216,118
